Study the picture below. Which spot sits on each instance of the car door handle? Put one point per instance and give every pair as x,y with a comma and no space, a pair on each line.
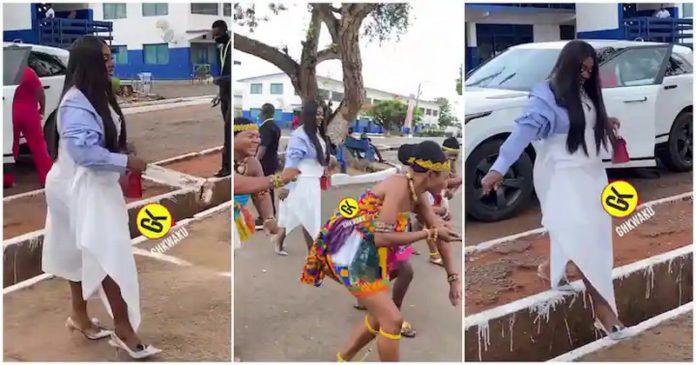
47,87
667,87
644,99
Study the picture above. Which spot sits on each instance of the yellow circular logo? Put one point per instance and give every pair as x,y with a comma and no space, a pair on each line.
348,208
154,221
619,199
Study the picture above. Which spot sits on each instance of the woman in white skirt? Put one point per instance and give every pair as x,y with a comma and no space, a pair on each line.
567,115
300,201
87,239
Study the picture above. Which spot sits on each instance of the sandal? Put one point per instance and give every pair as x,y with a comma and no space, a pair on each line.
103,332
141,352
436,259
616,332
277,246
407,330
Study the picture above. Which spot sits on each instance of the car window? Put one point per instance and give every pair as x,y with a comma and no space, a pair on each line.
45,64
677,66
15,59
633,67
514,69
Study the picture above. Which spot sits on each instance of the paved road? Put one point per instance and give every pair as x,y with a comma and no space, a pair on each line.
279,319
185,310
157,135
670,183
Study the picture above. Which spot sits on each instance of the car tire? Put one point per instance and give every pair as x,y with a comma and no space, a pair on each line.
677,153
51,135
516,190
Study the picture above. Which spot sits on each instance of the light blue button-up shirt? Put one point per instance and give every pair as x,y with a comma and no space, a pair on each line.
82,131
541,118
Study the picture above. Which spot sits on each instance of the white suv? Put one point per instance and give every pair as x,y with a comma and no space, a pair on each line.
50,65
647,86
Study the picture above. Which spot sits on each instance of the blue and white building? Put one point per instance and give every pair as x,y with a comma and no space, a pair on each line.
492,28
168,40
278,90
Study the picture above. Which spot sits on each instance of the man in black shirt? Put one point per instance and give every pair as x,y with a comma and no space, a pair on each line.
224,82
268,149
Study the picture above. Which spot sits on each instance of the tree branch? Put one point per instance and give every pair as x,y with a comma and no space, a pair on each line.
327,54
326,12
267,53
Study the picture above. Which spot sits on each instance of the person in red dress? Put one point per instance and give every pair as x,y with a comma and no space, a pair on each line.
27,111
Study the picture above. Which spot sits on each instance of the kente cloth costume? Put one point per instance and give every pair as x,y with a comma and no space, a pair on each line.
345,249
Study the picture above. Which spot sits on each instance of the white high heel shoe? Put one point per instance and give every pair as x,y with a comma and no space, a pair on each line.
142,353
616,332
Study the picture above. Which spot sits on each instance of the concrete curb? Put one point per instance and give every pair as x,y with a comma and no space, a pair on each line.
538,327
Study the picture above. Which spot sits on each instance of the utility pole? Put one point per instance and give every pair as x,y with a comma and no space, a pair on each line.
415,110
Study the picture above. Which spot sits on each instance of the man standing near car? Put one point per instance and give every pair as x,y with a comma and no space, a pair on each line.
224,82
268,149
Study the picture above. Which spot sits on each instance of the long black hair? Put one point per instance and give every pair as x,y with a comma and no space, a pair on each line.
87,72
566,84
308,117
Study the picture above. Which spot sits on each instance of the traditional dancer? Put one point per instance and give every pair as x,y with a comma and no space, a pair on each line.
83,192
300,202
354,252
246,142
568,115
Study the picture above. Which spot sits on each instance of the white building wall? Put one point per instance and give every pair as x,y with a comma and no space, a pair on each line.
593,17
288,101
136,30
16,16
546,32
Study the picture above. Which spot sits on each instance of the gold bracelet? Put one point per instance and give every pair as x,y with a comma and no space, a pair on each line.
452,277
278,181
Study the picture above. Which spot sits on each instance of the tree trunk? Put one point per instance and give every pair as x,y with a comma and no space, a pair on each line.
351,60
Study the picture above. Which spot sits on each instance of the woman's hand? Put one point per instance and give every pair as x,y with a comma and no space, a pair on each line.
491,181
455,292
614,125
136,164
290,174
283,194
447,234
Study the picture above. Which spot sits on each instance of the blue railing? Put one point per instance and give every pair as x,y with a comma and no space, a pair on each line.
61,32
651,29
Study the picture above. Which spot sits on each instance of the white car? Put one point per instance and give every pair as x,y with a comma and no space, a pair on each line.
49,63
647,86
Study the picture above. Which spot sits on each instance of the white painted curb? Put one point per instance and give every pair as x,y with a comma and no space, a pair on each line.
551,297
605,342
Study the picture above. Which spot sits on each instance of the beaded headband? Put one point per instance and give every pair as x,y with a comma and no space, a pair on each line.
429,165
245,127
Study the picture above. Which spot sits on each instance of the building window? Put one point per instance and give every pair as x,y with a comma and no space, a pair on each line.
435,113
114,11
688,10
204,8
428,112
336,96
227,9
155,9
276,89
256,89
324,94
120,54
156,54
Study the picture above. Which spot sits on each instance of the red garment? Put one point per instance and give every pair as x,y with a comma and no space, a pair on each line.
26,120
295,122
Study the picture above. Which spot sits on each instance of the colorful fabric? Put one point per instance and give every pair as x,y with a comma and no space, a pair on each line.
345,250
243,219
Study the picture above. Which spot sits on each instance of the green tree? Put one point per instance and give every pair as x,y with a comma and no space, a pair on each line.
346,24
445,118
392,114
459,81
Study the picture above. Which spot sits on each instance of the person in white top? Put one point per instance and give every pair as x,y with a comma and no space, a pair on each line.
662,13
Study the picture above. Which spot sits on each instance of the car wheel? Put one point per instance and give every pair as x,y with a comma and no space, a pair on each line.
677,154
51,135
512,196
